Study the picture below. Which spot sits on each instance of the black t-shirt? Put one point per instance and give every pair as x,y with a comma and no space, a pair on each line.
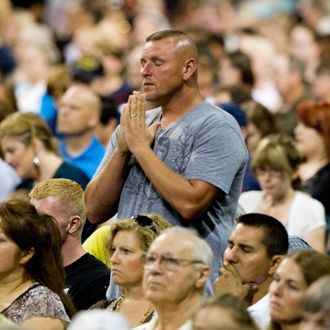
319,187
87,280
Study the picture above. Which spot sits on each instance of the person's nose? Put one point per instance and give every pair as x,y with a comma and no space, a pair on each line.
146,70
8,158
276,288
231,255
114,258
154,267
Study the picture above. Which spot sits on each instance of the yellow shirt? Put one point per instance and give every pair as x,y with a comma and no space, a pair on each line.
95,244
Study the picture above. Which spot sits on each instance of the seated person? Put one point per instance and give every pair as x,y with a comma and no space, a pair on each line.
255,248
275,164
176,269
316,308
296,272
223,312
86,278
32,278
127,242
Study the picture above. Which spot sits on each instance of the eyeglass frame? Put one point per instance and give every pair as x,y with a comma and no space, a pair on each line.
145,222
273,172
166,260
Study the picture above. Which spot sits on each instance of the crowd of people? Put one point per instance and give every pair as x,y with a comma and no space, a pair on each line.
164,164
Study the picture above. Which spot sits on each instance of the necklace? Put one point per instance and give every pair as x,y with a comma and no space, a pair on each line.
146,315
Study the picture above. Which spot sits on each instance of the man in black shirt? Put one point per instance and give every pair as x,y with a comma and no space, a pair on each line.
87,278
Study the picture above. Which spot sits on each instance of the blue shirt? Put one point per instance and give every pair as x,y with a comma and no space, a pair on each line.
88,160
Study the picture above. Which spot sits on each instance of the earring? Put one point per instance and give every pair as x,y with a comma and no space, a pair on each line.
36,161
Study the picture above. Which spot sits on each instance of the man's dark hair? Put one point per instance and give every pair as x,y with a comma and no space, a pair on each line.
275,237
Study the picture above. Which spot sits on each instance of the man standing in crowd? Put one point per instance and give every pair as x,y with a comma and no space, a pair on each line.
186,161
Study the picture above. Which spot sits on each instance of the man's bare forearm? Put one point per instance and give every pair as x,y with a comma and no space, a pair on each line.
103,192
189,198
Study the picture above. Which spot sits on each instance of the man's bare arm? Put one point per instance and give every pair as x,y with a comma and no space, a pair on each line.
190,198
102,194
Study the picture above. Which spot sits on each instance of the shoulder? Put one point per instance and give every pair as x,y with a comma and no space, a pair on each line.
43,302
69,171
43,294
307,201
97,145
250,195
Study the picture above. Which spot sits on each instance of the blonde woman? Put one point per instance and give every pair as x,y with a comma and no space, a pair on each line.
128,241
275,165
29,147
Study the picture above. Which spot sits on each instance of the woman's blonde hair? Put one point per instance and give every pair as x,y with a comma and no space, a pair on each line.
278,151
27,127
145,234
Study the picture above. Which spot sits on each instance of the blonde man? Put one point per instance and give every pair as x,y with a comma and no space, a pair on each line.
86,277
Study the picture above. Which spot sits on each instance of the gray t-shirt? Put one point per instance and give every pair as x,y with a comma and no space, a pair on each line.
205,144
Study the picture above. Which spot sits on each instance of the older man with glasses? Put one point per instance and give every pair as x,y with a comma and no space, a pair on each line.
176,269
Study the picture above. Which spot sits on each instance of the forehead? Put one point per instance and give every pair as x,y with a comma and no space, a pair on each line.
127,237
49,205
159,48
290,270
243,234
11,140
75,95
175,244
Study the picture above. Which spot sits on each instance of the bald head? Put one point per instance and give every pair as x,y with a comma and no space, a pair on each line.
189,241
79,112
86,94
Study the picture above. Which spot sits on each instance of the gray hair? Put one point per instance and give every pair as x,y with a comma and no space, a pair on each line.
201,251
317,297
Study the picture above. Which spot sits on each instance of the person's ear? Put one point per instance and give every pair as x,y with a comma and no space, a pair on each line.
74,224
37,145
275,261
189,67
26,256
203,275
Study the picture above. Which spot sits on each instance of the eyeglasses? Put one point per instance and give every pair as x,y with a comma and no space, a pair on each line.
166,261
274,172
144,221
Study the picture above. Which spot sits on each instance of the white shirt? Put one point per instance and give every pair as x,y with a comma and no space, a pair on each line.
305,214
260,312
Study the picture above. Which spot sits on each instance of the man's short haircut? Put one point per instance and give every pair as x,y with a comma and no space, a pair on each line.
201,250
275,235
160,35
67,191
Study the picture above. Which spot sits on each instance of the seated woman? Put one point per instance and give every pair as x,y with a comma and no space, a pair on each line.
275,165
127,242
261,122
31,273
312,136
28,146
316,309
294,275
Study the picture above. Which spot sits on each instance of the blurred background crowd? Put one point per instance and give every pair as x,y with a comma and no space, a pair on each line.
67,68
